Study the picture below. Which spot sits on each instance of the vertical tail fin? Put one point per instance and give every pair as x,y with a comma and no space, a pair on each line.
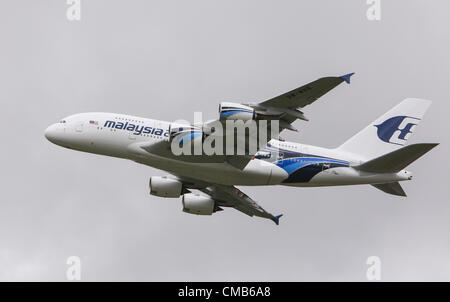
389,132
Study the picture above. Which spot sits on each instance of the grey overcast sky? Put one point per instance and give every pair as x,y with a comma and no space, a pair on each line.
166,59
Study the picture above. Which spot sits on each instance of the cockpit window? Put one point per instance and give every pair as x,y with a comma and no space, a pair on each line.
62,121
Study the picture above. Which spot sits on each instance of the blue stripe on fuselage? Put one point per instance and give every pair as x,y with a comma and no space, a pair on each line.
292,164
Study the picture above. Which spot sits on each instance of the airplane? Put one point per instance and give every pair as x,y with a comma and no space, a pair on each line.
377,155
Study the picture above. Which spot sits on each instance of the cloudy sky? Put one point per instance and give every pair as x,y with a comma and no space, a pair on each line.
165,59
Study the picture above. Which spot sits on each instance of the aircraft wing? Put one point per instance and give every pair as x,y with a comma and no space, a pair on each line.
306,94
230,196
283,108
227,196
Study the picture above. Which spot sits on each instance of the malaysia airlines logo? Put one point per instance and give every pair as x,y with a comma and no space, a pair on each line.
136,129
396,130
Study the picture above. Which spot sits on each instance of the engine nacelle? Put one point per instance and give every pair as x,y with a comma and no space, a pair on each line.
184,133
234,111
163,186
197,204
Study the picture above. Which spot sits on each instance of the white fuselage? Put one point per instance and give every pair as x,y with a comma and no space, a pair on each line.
125,136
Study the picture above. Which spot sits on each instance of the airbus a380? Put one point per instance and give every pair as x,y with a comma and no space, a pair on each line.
377,155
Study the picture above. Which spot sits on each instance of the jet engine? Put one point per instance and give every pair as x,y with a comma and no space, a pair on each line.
234,111
163,186
198,204
184,133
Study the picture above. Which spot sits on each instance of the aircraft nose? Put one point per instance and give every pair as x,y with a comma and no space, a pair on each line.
52,133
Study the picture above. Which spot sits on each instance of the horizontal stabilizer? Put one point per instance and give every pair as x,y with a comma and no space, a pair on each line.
397,160
393,188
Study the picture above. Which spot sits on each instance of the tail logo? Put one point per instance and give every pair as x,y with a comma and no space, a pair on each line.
396,130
